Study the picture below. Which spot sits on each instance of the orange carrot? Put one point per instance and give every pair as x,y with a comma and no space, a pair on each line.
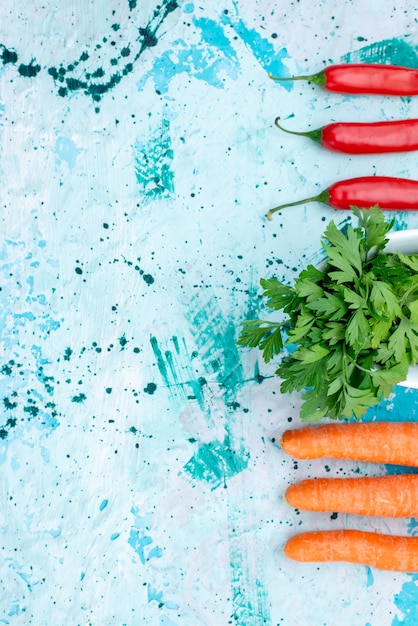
387,552
385,496
378,442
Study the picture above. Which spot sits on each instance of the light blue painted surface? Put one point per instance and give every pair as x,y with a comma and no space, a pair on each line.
141,481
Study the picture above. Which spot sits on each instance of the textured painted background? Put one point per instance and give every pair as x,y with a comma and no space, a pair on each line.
141,478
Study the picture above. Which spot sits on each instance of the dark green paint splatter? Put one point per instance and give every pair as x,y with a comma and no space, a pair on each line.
67,354
160,359
29,71
30,404
45,380
11,423
81,397
86,79
7,368
31,409
122,342
8,404
8,56
148,278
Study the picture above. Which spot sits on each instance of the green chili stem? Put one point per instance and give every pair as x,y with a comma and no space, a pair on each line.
319,78
321,197
315,135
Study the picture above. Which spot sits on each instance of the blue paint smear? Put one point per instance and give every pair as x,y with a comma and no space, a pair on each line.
139,538
214,55
153,594
208,60
14,610
401,407
370,580
67,151
407,603
262,50
413,526
138,543
45,454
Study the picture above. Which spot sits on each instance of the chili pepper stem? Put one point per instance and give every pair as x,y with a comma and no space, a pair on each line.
321,197
315,135
319,78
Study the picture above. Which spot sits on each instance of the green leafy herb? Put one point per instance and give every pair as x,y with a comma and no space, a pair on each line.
351,327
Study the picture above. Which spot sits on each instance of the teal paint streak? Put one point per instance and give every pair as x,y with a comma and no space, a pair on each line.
249,596
394,51
216,461
215,339
153,159
178,374
407,603
160,360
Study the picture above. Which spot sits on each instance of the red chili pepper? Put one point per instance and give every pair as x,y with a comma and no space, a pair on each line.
364,78
364,138
364,192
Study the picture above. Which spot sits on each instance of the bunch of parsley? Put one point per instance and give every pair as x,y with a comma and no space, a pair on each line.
353,324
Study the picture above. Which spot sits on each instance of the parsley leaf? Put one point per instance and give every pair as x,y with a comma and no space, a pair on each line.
343,252
353,323
262,334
